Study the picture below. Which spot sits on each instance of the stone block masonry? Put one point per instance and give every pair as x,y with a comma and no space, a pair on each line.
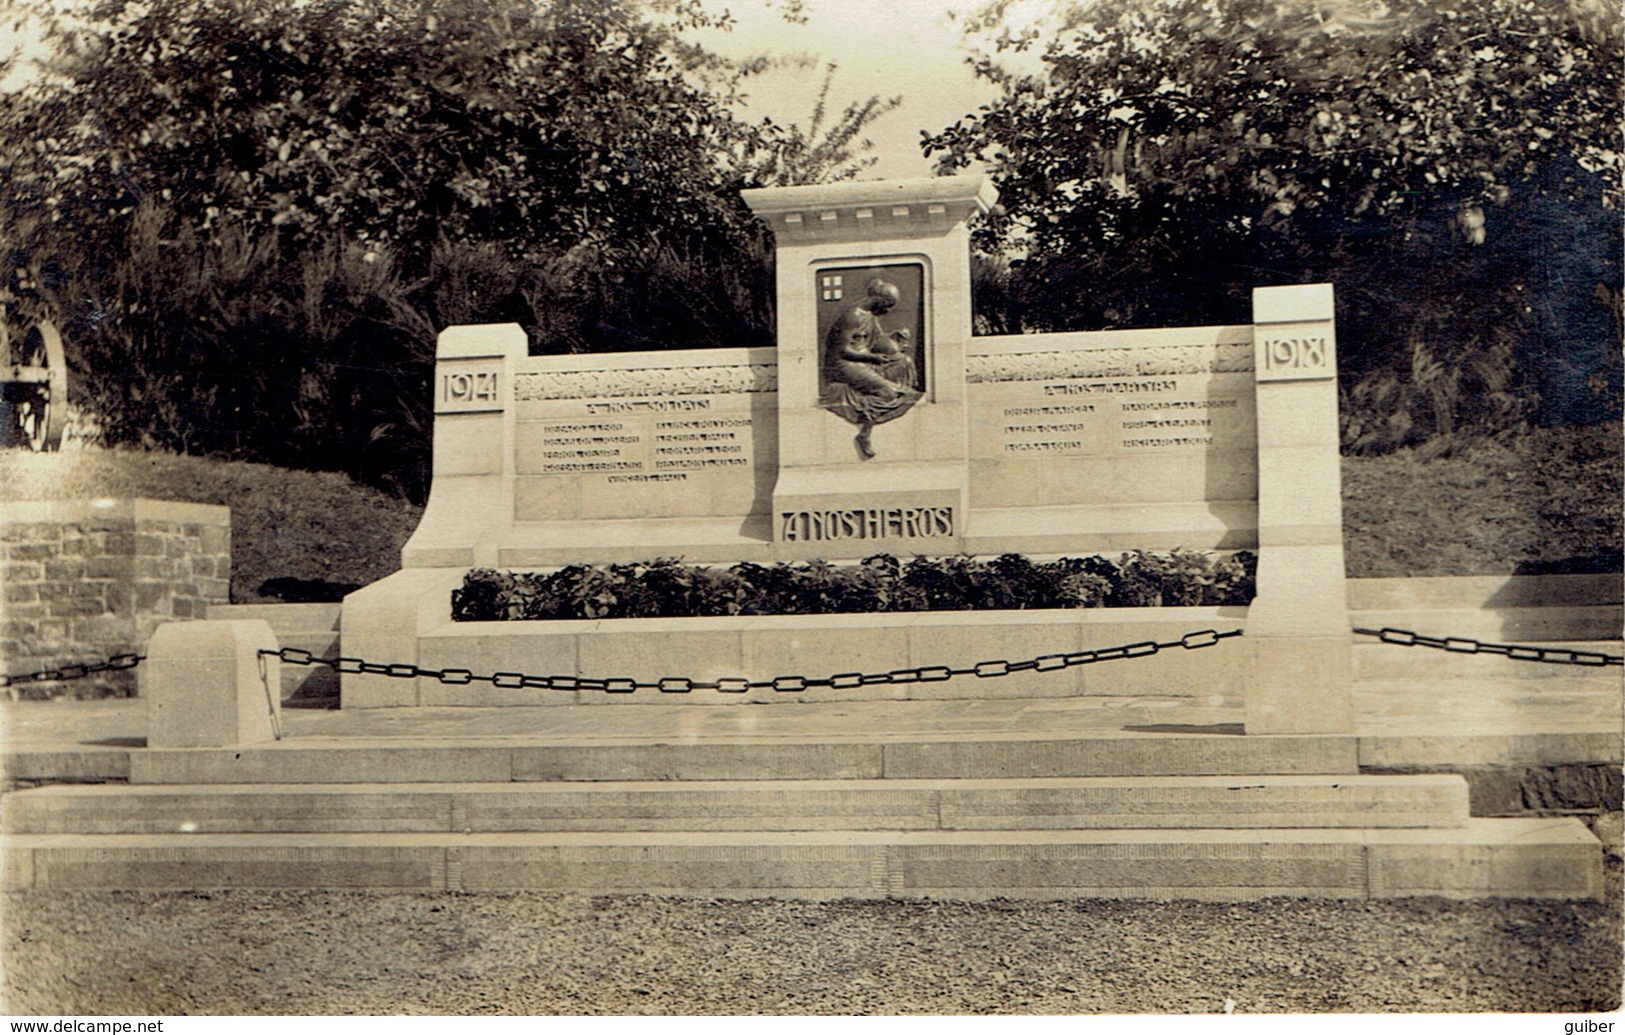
86,579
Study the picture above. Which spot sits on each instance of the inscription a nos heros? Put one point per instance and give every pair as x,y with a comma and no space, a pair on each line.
875,523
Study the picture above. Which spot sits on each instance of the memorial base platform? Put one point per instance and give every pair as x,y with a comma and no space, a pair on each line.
1123,798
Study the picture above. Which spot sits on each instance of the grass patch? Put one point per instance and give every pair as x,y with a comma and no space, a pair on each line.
317,527
1546,501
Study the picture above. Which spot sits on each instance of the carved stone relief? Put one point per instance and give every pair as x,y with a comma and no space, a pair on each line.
1156,361
649,381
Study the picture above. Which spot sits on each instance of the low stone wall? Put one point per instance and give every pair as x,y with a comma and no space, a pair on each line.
415,605
1513,608
86,579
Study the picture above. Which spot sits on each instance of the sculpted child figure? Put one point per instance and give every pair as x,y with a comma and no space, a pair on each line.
881,297
867,378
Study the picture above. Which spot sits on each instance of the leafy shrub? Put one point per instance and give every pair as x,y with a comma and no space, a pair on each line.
250,217
667,588
1206,148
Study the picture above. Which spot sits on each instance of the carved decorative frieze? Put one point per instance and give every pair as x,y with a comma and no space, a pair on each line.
648,381
1155,361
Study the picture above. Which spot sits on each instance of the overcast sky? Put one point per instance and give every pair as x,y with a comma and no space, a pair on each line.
907,48
887,47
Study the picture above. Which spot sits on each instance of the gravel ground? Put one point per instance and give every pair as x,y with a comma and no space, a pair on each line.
296,952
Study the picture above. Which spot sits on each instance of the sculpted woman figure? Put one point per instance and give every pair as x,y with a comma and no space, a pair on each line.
863,383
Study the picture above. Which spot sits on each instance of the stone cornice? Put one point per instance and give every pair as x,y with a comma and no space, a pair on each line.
872,209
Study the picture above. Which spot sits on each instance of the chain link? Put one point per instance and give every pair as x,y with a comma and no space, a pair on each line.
117,662
1517,652
739,685
841,681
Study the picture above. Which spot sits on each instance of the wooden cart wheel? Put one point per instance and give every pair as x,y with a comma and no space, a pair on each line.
39,388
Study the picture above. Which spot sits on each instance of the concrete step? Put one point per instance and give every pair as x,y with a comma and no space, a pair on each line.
698,757
1374,659
1501,625
1485,591
1046,804
1525,705
1540,858
283,618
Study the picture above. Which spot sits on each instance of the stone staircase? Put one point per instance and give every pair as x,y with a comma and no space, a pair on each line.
1421,705
865,815
1137,797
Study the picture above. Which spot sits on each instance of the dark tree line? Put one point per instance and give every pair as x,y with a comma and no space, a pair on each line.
254,215
1453,166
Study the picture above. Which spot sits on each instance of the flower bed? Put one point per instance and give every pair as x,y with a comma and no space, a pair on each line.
667,588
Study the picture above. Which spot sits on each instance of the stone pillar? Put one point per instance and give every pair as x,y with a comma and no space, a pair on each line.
207,685
471,499
911,496
1298,629
470,510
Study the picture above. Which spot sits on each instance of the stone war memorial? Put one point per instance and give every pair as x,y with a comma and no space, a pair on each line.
1156,752
1215,438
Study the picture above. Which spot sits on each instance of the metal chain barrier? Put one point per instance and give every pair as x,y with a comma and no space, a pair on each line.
49,675
841,680
1464,645
740,685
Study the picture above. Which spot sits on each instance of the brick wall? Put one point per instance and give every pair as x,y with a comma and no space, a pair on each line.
86,579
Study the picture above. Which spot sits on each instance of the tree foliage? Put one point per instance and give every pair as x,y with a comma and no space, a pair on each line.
393,123
1427,156
828,148
255,214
